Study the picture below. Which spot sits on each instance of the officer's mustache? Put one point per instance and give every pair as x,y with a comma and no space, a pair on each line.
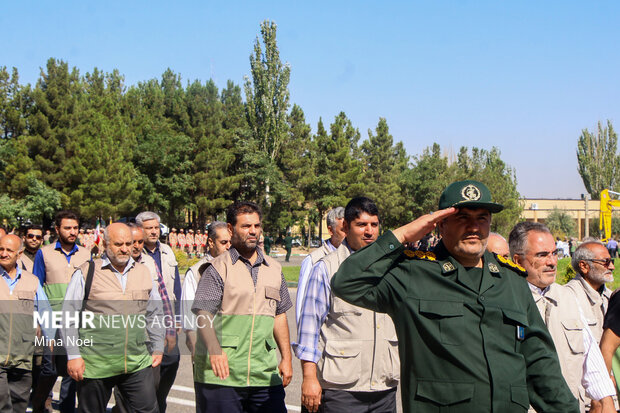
475,234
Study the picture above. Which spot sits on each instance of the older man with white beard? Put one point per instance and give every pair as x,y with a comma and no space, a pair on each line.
114,352
594,268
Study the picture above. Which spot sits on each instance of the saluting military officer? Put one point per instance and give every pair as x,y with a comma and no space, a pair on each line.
470,335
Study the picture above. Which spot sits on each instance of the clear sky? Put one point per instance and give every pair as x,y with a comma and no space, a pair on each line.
525,76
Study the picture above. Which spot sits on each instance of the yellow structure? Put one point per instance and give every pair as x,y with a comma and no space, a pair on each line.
538,210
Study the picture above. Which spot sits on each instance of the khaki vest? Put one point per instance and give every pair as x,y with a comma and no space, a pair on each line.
26,263
560,312
245,325
57,270
359,346
593,304
16,322
116,348
319,253
198,268
168,266
149,263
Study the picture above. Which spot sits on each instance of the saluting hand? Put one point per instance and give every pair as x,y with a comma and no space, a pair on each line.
76,368
416,229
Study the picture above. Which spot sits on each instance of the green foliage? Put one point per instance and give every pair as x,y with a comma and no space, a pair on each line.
561,223
598,160
10,211
41,203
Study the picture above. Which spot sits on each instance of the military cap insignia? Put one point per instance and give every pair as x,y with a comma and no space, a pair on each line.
493,267
421,255
471,193
448,266
510,264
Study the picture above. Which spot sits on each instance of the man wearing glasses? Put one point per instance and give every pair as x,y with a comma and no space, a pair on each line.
33,238
594,267
532,246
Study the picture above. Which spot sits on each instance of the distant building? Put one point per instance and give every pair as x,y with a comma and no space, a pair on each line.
538,209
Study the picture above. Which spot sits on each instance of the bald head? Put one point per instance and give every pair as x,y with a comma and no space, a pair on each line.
498,245
10,250
117,242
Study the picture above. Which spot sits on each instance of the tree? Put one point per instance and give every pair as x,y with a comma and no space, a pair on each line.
561,223
267,106
598,161
384,167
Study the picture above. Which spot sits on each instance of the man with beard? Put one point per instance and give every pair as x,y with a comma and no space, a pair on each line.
469,334
241,304
33,238
594,268
532,246
54,264
116,353
169,270
218,242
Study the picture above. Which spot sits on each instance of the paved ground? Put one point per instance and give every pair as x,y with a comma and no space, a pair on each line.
181,398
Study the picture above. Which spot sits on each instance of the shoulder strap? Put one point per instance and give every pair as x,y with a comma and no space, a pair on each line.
89,282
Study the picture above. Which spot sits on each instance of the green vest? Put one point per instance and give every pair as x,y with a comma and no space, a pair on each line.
16,322
58,272
244,326
118,338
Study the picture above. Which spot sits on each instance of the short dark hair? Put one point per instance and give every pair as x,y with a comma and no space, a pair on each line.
242,207
27,228
60,215
356,206
213,227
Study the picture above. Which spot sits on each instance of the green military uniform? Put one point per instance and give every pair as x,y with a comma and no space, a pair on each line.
470,340
288,245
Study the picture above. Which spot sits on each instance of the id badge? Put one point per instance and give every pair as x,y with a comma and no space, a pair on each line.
520,333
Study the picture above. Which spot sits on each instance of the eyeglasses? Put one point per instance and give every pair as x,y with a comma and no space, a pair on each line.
603,261
31,236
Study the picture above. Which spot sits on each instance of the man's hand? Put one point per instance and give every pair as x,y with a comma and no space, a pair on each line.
219,364
76,368
190,342
286,371
311,393
157,357
605,405
415,230
170,342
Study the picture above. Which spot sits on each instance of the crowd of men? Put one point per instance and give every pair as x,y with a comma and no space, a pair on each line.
462,320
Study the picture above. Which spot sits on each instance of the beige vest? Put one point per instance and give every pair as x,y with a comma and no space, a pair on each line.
593,304
319,253
560,312
168,266
149,263
57,270
107,296
26,262
198,268
359,346
240,295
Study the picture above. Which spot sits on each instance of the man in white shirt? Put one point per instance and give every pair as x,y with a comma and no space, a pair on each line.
532,246
335,222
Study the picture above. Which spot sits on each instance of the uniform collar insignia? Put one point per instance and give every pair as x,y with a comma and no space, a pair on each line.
493,267
447,267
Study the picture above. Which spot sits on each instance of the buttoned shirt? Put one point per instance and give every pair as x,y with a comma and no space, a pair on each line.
75,295
304,274
595,379
41,304
210,290
156,255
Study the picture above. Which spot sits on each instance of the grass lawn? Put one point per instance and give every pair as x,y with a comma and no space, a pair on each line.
291,274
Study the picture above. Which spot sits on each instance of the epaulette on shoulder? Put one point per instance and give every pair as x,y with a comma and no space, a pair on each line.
420,255
508,263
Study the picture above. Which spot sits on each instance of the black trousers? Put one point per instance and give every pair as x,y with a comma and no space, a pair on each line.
14,389
339,401
164,376
45,384
211,398
136,388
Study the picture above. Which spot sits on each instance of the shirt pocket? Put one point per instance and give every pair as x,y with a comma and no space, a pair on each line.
272,297
515,322
447,316
342,361
444,393
573,331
